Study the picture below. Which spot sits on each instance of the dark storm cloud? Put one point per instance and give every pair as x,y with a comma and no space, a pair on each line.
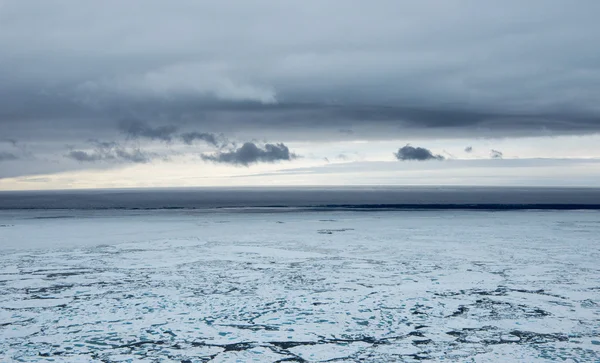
393,69
495,154
139,129
250,153
6,156
109,152
209,138
416,153
469,149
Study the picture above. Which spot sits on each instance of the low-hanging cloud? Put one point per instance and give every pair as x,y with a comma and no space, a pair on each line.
166,133
139,129
495,154
209,138
110,152
250,153
416,153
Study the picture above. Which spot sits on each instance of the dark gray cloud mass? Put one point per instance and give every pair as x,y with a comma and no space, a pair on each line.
381,70
250,153
469,149
416,153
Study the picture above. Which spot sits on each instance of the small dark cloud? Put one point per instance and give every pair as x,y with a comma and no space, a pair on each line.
109,151
6,156
139,129
346,131
416,153
469,149
190,137
250,153
495,154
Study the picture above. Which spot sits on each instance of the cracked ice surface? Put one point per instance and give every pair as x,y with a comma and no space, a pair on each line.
176,286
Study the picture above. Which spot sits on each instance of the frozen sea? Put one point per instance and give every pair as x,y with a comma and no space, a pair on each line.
132,280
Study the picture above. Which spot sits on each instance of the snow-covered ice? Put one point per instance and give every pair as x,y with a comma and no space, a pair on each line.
194,286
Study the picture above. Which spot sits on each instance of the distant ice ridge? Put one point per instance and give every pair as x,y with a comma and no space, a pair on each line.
185,286
308,198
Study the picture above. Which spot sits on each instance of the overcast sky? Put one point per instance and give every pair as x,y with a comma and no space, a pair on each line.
186,92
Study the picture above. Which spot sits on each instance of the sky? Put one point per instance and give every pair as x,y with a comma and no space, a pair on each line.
148,93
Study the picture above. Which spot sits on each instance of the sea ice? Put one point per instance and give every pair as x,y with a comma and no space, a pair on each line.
226,287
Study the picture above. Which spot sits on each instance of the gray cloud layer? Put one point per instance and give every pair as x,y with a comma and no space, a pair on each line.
250,153
416,153
380,70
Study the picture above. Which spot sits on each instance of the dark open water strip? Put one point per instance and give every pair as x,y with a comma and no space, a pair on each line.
309,198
